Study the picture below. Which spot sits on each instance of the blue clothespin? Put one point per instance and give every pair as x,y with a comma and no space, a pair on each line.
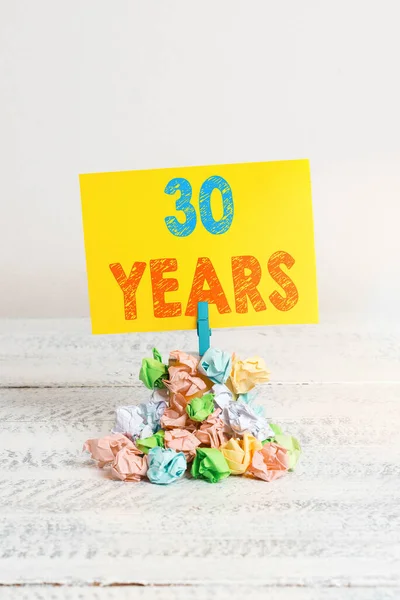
203,327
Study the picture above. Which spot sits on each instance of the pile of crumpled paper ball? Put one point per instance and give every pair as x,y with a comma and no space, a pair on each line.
200,418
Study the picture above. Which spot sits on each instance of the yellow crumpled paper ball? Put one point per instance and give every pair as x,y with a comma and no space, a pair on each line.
246,374
239,452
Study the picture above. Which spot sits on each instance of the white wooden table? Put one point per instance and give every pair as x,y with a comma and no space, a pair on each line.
329,531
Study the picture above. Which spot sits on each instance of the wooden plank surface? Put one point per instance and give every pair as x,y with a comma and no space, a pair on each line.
64,353
335,519
226,592
329,530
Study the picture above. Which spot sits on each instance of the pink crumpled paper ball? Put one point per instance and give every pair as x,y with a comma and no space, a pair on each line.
129,465
213,431
269,463
106,448
182,382
176,417
182,361
182,440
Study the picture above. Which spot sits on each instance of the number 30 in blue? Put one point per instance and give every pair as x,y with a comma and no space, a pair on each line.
184,204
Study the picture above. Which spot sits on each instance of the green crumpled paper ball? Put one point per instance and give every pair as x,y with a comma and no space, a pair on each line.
199,409
210,464
153,371
290,443
148,443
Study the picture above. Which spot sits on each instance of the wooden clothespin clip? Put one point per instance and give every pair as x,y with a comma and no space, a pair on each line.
203,327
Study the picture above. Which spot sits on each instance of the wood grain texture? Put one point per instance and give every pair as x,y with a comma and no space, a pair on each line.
329,530
64,353
335,520
226,592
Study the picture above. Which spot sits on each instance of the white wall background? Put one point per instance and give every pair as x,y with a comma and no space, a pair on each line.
102,85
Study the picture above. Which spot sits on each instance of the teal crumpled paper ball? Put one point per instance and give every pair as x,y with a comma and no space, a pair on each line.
216,364
165,465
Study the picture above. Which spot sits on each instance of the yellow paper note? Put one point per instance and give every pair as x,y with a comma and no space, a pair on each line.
237,236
